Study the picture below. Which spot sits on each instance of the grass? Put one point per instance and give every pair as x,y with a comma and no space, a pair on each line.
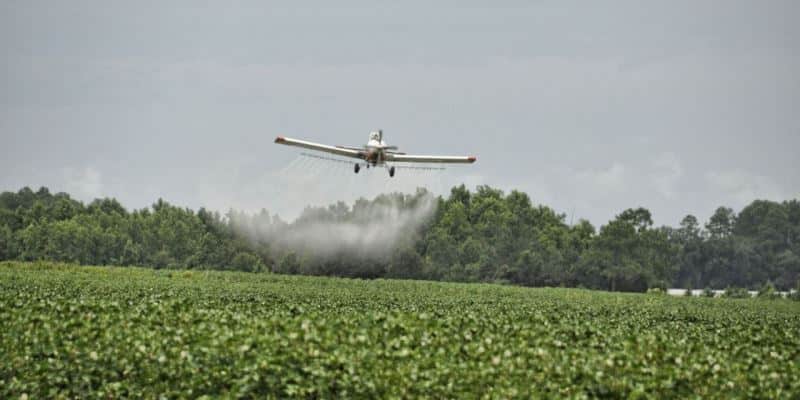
70,331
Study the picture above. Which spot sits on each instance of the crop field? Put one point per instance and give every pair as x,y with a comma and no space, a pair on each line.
99,332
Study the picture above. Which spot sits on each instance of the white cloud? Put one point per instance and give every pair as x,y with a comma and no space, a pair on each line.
743,186
603,179
85,184
667,174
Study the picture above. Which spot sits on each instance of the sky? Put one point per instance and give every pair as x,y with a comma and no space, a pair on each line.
679,106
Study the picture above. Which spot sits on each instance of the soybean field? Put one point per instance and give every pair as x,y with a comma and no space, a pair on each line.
115,332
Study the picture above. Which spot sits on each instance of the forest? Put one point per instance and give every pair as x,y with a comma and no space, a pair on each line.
483,235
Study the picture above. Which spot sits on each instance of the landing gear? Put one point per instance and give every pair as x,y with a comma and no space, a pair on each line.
391,172
357,168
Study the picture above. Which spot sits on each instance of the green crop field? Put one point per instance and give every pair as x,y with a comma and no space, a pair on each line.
97,332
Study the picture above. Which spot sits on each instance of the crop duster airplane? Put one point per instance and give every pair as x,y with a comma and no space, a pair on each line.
375,153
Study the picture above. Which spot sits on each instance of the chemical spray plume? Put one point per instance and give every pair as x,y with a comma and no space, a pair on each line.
367,230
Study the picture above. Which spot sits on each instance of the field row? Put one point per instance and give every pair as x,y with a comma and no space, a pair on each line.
128,332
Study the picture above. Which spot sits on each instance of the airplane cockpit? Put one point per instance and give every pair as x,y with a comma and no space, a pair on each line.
376,138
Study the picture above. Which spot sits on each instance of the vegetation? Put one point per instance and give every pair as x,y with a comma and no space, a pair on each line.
480,236
100,332
736,293
768,292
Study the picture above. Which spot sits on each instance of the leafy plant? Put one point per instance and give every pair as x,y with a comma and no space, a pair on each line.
100,332
733,292
767,291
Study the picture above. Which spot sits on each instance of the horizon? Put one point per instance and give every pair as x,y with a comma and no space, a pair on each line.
351,204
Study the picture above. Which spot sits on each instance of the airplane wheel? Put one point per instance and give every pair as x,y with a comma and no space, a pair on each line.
357,168
391,172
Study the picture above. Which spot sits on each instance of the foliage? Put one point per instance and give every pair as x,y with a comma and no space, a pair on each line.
768,292
795,294
733,292
483,235
98,332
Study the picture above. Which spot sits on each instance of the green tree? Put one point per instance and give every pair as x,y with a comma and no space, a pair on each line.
289,264
131,253
630,255
721,224
689,242
7,244
405,263
247,262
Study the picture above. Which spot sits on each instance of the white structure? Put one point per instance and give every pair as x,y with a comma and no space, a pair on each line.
717,293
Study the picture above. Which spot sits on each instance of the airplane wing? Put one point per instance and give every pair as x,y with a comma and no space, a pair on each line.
338,150
430,159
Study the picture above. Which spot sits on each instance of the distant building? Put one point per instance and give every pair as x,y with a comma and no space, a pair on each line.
717,293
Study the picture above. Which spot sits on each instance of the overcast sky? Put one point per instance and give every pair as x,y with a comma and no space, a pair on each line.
590,107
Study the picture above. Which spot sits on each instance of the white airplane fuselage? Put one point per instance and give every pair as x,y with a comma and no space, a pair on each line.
375,149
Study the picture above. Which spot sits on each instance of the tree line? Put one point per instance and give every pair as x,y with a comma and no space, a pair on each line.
483,235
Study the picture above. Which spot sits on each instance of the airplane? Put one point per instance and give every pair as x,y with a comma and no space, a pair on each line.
375,153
